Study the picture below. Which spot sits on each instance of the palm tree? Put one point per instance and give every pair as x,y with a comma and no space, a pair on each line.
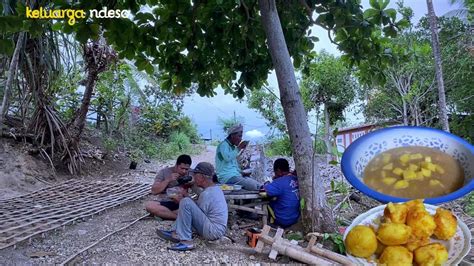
37,59
443,114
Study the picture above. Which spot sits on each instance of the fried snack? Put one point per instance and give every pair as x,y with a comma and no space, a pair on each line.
432,254
415,204
380,248
414,242
392,234
395,213
446,224
421,222
396,256
361,241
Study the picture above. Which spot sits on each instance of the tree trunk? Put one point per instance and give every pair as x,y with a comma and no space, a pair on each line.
99,117
316,209
80,118
443,114
327,133
11,74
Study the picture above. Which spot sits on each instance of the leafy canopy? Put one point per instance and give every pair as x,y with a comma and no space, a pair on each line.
219,42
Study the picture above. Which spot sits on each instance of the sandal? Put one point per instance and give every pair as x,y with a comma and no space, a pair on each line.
182,247
167,235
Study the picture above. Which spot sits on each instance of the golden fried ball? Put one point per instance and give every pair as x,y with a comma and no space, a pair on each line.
415,204
446,224
361,241
380,248
432,254
414,243
421,223
396,213
392,234
396,256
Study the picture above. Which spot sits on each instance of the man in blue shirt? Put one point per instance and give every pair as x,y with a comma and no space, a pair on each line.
227,167
285,209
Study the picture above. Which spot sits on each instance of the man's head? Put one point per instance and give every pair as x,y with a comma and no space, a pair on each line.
281,167
235,134
182,164
202,174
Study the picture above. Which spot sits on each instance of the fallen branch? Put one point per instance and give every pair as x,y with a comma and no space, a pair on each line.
341,202
247,225
98,241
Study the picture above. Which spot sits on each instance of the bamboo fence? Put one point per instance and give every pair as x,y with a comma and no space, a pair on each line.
49,208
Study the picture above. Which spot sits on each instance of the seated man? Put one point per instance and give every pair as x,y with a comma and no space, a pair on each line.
167,178
227,167
208,217
285,209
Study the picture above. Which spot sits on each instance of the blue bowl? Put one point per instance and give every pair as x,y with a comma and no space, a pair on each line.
359,153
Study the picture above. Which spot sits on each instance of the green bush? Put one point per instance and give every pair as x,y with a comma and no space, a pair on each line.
187,127
110,144
279,146
180,140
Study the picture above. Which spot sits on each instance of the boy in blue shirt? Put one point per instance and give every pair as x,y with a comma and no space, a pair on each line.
285,209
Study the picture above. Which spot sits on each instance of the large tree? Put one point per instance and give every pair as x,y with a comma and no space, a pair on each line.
235,44
328,82
443,111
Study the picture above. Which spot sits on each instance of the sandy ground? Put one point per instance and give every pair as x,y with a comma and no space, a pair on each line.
21,173
137,244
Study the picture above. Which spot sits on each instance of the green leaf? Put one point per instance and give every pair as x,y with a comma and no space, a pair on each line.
374,4
302,204
369,13
383,4
392,13
57,26
7,47
390,31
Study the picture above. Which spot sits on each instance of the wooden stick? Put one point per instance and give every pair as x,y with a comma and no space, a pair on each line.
246,209
296,253
261,243
332,255
319,251
98,241
247,225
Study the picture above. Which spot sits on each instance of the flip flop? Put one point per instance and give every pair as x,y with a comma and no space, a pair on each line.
167,235
181,247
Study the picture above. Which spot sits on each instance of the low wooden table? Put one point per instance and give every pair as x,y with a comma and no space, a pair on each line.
257,201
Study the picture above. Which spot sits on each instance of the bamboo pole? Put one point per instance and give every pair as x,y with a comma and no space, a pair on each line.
331,255
321,252
296,253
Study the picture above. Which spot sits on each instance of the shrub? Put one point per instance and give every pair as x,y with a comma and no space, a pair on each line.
180,140
279,146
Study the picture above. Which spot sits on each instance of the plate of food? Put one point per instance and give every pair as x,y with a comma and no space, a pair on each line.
407,233
226,188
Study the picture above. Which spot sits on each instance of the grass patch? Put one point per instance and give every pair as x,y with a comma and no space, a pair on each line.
143,146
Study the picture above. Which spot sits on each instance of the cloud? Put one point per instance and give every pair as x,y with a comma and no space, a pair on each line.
254,134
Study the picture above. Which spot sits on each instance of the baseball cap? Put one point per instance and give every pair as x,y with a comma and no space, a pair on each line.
204,168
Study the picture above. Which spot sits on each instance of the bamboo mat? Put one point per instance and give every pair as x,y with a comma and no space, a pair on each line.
54,206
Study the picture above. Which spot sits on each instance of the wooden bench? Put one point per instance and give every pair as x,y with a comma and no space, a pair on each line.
258,204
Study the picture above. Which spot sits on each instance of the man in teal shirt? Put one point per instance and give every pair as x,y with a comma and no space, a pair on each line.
227,167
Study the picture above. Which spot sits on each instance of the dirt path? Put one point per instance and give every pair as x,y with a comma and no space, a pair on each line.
137,244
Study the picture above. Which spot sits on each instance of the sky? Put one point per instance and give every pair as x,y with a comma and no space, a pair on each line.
205,112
